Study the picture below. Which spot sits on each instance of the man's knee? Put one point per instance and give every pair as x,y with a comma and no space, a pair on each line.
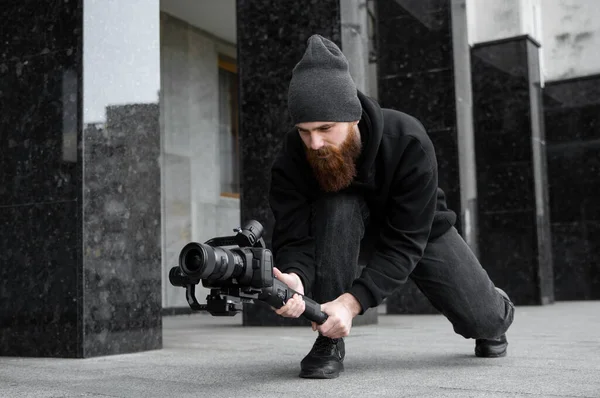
486,326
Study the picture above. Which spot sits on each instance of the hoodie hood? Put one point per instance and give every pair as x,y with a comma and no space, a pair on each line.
371,131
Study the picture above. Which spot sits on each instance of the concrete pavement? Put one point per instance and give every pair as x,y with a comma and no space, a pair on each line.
554,351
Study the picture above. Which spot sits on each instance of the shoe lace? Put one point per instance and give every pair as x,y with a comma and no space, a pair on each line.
323,344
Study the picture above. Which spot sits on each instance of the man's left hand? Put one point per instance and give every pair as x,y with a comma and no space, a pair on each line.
340,313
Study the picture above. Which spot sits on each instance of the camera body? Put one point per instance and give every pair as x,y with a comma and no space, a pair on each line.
258,270
238,269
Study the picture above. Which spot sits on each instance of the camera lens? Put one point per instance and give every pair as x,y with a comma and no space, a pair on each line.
194,260
202,261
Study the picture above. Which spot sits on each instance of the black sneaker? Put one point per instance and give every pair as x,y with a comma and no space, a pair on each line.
491,348
325,359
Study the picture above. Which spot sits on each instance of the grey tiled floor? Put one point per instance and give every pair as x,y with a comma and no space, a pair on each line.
554,351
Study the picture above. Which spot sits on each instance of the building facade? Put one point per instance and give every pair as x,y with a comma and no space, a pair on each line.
129,128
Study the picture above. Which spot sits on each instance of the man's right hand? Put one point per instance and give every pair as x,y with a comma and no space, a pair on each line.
294,306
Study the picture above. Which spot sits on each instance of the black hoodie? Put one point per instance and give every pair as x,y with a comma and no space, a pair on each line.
398,177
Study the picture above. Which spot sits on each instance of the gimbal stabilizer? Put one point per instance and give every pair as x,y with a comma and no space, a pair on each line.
236,275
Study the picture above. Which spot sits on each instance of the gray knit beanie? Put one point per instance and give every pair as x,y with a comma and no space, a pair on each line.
321,89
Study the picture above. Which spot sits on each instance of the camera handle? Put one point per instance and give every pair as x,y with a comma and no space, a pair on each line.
278,294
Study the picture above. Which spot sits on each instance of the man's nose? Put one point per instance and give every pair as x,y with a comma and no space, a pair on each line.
316,142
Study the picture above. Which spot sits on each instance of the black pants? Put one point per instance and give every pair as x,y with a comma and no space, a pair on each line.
449,274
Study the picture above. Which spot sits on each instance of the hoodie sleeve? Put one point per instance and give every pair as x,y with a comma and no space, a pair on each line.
405,231
292,242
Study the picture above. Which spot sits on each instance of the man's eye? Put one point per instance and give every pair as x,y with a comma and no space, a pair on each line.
324,128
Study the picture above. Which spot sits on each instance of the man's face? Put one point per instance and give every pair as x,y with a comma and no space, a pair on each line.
331,150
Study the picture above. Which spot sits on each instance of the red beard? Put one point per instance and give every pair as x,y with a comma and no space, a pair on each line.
335,168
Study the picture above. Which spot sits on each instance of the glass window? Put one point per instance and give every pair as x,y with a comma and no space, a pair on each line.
228,128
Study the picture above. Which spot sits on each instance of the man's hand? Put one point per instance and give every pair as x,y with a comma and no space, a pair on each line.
294,306
341,311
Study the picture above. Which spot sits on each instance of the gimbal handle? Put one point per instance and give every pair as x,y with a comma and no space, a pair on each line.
278,294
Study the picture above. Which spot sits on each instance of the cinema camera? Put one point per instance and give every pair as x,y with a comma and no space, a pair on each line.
238,269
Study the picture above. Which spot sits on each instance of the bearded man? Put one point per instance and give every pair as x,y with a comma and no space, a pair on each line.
358,211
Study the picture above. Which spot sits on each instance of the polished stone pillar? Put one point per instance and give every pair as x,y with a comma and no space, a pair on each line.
416,75
572,120
80,181
514,217
272,38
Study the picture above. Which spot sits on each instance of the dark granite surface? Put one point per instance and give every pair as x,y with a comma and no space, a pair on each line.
505,186
506,80
416,76
37,55
414,60
40,179
121,240
575,261
509,254
499,143
428,96
572,119
79,257
31,28
514,233
40,299
423,24
448,169
592,231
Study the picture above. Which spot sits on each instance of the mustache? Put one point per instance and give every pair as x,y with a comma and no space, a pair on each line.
323,151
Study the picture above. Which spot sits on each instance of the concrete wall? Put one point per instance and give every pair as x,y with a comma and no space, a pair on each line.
571,38
568,31
192,206
493,19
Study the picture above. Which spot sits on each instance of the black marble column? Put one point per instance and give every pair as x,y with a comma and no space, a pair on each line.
572,119
416,76
121,232
79,248
40,188
514,230
272,36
